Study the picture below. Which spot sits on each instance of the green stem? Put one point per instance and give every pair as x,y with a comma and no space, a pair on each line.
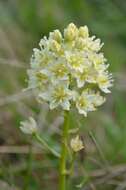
44,143
63,170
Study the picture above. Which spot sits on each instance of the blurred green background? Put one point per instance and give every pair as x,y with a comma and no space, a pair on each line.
103,163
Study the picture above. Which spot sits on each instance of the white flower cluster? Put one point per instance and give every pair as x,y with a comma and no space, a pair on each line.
69,70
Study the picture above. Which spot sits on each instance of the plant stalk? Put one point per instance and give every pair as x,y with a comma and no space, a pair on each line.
63,159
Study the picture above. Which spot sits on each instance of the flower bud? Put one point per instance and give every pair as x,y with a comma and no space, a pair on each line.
29,126
54,46
83,32
71,32
76,144
80,43
56,35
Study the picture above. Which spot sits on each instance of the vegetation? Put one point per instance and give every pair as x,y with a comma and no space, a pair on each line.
23,164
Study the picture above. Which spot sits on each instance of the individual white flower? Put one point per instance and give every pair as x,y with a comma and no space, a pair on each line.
88,101
29,126
41,58
96,45
76,61
38,78
89,75
96,58
81,78
59,95
105,81
76,144
59,71
98,100
65,65
98,61
92,44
